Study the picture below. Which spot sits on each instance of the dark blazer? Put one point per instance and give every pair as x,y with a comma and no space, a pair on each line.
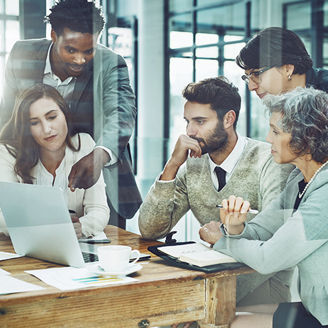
102,104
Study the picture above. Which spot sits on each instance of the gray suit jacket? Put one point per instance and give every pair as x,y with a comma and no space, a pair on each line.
280,238
102,104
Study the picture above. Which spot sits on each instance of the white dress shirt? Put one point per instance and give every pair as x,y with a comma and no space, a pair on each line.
230,162
90,205
66,87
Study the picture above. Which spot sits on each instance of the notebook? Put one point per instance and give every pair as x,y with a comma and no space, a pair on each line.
174,257
196,254
39,224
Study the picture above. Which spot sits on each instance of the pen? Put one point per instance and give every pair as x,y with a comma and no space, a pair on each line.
249,211
96,241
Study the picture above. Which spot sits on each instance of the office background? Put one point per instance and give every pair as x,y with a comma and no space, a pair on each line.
169,43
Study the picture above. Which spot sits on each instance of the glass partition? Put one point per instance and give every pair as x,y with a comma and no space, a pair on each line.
203,40
9,31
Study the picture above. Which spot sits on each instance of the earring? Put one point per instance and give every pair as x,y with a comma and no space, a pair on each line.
289,77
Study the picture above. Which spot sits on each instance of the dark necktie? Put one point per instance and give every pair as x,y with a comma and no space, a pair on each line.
221,174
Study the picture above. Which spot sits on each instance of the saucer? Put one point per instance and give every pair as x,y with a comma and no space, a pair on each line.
97,269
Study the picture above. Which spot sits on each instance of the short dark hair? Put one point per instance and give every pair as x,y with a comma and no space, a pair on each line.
218,92
77,15
275,47
305,116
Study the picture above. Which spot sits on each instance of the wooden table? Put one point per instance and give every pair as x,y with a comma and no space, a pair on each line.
162,295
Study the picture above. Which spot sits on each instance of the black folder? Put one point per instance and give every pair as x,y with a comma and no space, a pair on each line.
176,262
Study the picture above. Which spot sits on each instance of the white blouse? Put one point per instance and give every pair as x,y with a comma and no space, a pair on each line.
89,204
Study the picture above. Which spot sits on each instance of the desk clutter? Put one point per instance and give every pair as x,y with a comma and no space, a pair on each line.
97,274
115,299
68,278
65,278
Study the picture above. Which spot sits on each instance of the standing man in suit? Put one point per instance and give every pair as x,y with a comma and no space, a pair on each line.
94,82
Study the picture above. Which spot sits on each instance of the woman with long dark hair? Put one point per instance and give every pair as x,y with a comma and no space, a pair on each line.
37,148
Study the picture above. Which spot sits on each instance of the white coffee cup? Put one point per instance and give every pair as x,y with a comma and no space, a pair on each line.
115,258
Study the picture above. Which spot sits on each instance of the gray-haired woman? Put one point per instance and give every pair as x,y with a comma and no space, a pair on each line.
293,230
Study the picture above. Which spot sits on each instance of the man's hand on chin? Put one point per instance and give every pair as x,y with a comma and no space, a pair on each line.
184,146
85,173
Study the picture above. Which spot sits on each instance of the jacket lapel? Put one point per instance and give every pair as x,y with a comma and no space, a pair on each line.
38,66
80,85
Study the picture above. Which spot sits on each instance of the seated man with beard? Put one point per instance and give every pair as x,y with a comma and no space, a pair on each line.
210,163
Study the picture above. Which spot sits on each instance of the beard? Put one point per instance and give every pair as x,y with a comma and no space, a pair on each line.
216,141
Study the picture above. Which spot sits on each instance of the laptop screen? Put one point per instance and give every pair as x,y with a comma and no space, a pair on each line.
39,223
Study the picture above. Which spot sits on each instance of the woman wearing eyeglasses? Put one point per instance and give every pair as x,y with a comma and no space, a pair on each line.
275,61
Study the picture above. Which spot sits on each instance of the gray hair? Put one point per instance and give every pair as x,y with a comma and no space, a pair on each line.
305,116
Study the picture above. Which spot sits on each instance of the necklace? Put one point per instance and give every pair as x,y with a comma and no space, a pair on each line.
300,195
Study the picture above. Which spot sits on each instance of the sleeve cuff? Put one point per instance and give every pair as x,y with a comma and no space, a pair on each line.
226,233
163,181
113,158
221,244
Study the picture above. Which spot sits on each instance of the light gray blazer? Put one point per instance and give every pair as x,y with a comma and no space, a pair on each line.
280,238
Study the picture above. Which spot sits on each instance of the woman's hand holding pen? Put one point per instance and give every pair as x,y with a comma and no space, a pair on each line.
233,214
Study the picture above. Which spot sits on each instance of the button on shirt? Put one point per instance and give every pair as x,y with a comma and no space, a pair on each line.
43,177
230,162
66,89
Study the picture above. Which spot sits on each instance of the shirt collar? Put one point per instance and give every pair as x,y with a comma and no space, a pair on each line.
48,70
230,162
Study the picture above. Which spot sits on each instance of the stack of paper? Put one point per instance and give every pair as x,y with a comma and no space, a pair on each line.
8,284
7,256
74,278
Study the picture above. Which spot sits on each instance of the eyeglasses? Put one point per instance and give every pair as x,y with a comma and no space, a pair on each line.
255,76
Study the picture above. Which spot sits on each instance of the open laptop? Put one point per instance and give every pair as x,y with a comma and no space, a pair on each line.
39,224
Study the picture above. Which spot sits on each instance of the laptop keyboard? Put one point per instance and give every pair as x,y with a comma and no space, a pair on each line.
88,257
